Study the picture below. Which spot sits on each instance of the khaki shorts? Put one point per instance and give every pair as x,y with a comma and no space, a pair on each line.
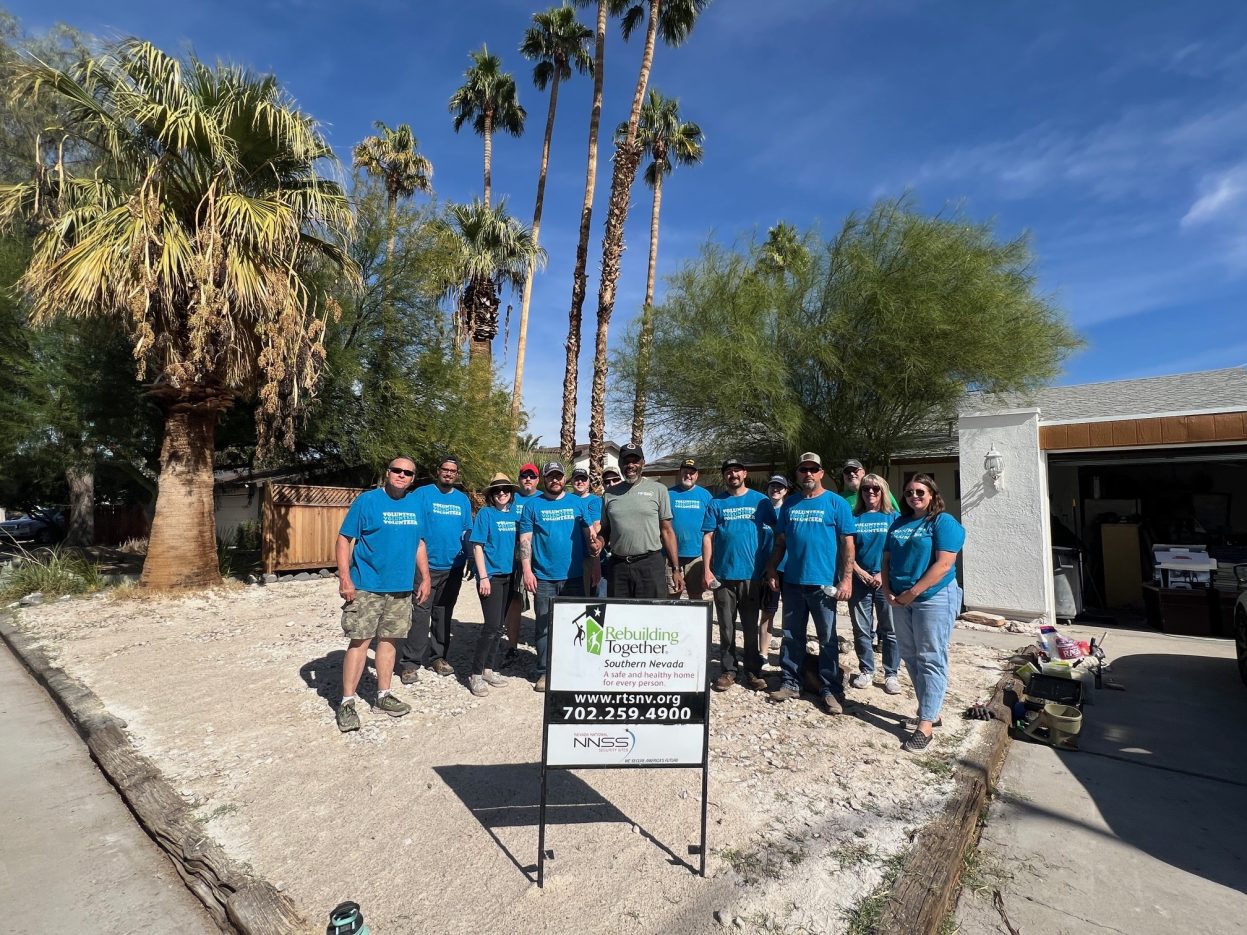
693,583
387,616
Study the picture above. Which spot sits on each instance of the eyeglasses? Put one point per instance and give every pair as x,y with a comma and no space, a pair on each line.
917,493
528,475
403,471
866,489
809,470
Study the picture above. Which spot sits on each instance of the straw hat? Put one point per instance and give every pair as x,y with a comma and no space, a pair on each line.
500,481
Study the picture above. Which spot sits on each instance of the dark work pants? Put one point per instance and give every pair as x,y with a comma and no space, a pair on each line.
645,579
732,598
429,636
494,612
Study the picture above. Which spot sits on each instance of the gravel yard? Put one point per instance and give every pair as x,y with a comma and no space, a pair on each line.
430,821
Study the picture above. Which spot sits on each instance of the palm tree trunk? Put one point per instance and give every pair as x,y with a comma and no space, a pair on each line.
627,158
571,372
489,153
81,481
646,337
517,389
181,552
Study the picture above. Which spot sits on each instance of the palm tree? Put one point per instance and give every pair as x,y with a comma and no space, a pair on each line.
493,250
674,20
196,235
783,251
556,42
668,140
489,100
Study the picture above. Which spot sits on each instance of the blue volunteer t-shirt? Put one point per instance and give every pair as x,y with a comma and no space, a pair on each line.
519,499
494,530
555,525
742,538
592,507
688,509
912,545
811,527
872,531
447,519
387,534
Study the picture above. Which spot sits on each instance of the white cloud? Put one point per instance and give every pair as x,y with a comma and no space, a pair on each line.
1221,194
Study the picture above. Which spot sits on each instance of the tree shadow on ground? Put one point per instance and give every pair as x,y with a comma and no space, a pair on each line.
508,795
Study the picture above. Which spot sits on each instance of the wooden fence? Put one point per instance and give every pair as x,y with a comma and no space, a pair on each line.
300,525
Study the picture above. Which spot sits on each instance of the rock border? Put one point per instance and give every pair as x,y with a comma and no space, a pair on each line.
926,888
236,900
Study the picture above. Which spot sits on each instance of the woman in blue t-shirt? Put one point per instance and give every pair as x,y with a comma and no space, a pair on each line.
493,550
920,582
868,606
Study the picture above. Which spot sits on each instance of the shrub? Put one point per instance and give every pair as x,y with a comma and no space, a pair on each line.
53,572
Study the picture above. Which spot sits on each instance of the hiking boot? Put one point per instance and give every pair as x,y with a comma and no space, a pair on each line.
477,686
442,667
755,682
831,704
392,706
409,674
783,693
724,682
540,684
492,678
348,720
892,685
862,680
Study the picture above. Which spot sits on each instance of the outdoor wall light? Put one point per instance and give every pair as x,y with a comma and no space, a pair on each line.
994,463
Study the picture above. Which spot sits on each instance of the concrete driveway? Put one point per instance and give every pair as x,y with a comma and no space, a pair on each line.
1144,829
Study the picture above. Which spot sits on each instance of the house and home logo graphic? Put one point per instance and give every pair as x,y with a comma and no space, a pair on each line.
590,627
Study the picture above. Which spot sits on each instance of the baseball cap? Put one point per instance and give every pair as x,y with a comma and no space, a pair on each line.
580,474
529,467
689,464
812,457
779,479
552,467
731,462
631,451
853,463
609,471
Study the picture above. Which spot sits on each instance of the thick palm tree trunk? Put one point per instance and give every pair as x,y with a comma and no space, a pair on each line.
627,158
81,481
646,338
181,552
571,372
489,153
517,390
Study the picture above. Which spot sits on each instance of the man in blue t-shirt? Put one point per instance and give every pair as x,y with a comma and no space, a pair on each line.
446,515
549,528
594,586
815,537
688,510
374,581
734,553
528,490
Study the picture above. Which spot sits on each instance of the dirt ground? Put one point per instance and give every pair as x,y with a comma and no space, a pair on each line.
430,821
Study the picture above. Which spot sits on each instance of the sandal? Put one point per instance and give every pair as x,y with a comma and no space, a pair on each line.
917,742
911,723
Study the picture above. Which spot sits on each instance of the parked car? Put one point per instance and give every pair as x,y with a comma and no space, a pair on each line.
40,526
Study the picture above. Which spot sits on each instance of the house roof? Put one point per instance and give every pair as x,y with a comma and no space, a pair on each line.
1176,394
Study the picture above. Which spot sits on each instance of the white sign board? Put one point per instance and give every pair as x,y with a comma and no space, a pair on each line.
627,684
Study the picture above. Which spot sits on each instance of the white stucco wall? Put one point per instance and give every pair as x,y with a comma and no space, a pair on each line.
1007,557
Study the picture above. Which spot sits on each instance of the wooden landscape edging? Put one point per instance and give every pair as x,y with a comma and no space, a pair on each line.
926,888
236,900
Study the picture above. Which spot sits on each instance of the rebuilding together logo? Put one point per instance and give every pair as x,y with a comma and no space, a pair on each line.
592,635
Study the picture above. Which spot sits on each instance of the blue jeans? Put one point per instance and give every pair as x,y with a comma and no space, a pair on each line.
869,608
802,601
543,607
924,629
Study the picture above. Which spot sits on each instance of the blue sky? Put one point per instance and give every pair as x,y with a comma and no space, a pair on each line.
1115,132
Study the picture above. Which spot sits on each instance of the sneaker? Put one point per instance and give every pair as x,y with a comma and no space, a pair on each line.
831,704
863,680
724,682
477,686
409,674
442,667
392,706
783,693
755,682
348,720
540,684
892,685
917,742
493,678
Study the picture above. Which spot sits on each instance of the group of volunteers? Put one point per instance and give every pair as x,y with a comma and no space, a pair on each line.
806,544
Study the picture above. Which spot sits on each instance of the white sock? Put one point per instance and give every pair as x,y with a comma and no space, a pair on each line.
382,693
348,699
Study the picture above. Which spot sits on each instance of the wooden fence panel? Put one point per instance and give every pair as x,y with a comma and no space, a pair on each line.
300,525
116,523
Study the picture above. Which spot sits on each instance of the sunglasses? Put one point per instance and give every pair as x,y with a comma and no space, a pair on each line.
403,471
852,470
867,489
528,475
917,493
809,470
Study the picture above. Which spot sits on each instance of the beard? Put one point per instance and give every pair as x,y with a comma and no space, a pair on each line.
809,483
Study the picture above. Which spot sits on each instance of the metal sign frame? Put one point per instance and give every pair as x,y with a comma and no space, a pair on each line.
549,711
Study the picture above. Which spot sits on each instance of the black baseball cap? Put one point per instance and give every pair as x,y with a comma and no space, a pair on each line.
631,451
552,467
689,464
731,462
580,474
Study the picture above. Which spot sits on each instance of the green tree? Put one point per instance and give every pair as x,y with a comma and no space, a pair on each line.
668,140
556,42
196,237
489,100
492,250
856,351
673,20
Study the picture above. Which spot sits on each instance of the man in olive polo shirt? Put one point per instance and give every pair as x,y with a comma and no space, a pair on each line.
636,523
